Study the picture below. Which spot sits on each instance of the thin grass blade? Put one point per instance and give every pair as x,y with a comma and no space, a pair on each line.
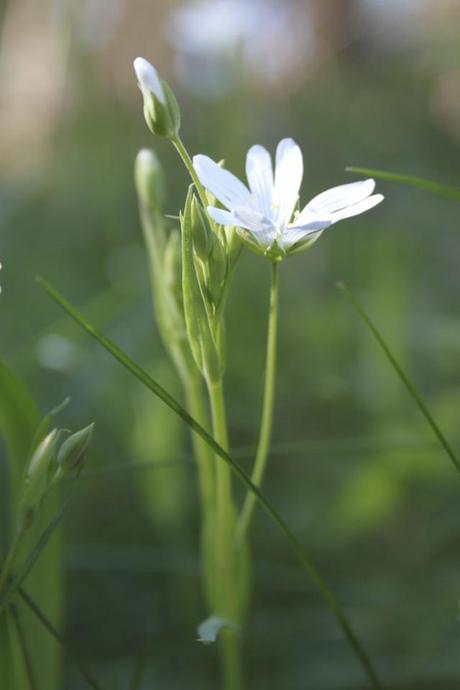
412,390
420,182
60,639
29,562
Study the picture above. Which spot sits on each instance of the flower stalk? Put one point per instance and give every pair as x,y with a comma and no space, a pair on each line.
265,432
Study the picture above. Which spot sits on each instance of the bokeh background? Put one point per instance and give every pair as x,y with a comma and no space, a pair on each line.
354,469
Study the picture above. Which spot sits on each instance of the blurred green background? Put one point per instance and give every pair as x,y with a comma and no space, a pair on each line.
354,468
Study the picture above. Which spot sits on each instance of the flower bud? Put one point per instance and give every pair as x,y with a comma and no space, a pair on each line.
72,452
199,331
201,232
218,262
172,267
37,480
161,110
149,179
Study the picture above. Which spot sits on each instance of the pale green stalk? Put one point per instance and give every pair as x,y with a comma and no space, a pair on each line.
204,457
183,153
265,432
7,566
152,226
225,542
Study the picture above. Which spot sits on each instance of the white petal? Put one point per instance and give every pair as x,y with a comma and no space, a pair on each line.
259,172
357,208
261,227
337,198
222,217
288,178
148,78
296,233
227,188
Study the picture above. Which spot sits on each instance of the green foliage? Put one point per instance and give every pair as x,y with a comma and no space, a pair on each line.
19,421
419,182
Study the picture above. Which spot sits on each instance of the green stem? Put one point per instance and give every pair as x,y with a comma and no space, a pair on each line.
24,648
224,546
267,410
9,561
203,454
183,153
91,681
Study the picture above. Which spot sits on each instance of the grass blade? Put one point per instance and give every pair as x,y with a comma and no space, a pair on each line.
420,182
92,682
413,392
31,558
296,546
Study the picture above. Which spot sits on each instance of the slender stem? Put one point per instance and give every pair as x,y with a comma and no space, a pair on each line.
224,547
224,537
413,392
267,410
92,682
9,561
24,648
183,153
203,454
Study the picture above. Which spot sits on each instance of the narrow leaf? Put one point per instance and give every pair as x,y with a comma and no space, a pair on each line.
60,639
413,392
296,546
419,182
29,562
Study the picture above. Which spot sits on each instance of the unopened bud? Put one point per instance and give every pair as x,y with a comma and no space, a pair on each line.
199,331
201,232
172,273
37,479
72,452
161,110
149,179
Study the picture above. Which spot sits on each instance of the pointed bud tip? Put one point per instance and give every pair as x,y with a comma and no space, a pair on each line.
148,78
72,451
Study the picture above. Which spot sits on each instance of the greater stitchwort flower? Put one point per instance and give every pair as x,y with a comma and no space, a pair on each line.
265,212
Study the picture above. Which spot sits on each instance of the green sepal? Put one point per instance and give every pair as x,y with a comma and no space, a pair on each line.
72,452
37,480
163,119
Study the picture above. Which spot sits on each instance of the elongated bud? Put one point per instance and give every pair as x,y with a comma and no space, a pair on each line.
218,262
172,266
72,452
161,110
37,479
199,332
149,179
201,232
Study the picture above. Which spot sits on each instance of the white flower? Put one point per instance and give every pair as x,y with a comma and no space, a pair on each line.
264,213
148,79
